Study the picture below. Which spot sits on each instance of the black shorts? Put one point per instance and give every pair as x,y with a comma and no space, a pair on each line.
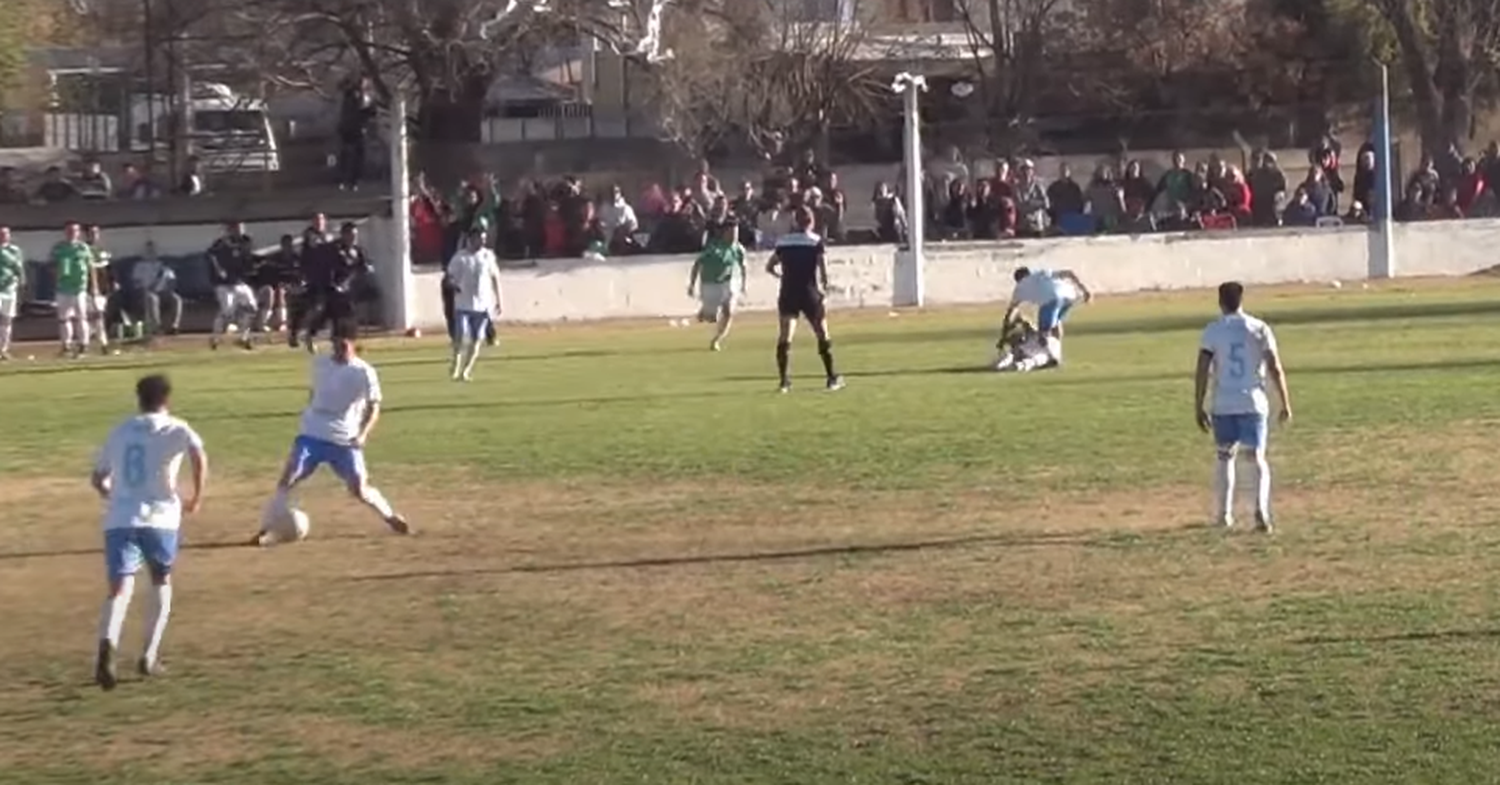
808,305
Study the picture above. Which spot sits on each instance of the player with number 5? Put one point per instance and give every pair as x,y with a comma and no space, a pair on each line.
136,474
1239,351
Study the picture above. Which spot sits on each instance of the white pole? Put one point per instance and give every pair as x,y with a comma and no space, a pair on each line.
399,284
912,263
1383,239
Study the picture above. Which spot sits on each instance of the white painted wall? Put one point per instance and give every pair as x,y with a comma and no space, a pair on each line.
654,286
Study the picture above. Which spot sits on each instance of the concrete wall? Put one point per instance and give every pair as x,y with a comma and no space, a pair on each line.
865,276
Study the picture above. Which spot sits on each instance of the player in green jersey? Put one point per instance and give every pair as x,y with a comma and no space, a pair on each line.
12,279
718,279
74,261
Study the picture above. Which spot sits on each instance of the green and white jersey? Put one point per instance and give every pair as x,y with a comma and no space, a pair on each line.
721,262
12,267
74,261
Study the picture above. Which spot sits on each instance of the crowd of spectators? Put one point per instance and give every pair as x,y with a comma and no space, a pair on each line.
565,218
92,183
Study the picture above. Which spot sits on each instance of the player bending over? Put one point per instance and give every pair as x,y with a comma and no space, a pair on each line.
1238,351
1022,347
341,413
799,261
474,277
1054,293
718,280
137,475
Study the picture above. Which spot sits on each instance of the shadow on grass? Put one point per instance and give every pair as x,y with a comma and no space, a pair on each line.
1428,636
471,405
1089,539
1065,380
1179,322
217,545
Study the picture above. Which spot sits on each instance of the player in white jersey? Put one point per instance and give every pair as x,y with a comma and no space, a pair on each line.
1238,352
340,415
136,474
1054,293
474,275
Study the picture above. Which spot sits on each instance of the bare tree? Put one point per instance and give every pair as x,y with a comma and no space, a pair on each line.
1010,43
746,71
1448,48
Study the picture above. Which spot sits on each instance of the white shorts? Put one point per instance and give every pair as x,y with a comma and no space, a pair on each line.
9,305
235,298
715,296
72,306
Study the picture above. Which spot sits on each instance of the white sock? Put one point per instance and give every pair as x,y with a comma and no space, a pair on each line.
1225,487
281,317
156,622
458,358
98,328
472,357
1054,349
112,618
6,330
65,333
1262,484
83,333
372,496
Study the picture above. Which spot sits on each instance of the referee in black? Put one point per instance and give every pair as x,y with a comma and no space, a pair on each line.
800,262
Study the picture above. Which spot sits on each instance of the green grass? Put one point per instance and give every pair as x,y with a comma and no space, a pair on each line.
640,564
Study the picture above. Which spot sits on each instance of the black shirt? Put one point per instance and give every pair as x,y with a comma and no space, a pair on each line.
801,258
231,260
332,269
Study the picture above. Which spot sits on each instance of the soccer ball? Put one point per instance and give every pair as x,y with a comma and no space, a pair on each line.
286,525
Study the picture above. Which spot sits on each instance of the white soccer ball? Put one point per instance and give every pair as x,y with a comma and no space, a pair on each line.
288,525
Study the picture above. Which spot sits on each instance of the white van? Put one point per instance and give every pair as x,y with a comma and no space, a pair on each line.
227,132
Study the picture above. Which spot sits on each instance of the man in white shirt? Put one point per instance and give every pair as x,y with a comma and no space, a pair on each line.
154,283
136,474
1054,293
340,415
474,275
1238,351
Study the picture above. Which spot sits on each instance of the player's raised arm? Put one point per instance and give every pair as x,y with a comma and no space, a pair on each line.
1200,388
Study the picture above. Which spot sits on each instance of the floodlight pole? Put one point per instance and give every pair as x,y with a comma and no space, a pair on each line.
398,283
1383,239
911,284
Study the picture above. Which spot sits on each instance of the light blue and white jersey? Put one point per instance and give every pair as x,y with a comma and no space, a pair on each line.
1240,344
142,457
341,394
1042,287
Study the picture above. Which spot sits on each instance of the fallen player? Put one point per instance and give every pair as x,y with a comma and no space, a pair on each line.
1022,347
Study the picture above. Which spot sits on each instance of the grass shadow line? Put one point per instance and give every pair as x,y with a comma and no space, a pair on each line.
1420,636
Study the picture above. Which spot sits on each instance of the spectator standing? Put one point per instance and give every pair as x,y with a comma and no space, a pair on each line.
356,114
1267,190
577,213
1136,187
93,183
678,231
890,214
1489,166
1425,184
956,210
984,212
1031,203
1177,183
1364,177
1106,200
1469,188
838,201
1239,200
1064,195
618,223
1325,156
1449,166
746,209
1005,181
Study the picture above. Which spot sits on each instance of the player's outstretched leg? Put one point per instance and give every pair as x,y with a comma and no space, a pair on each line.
360,488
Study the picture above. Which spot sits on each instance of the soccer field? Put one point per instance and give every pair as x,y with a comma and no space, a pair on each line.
638,563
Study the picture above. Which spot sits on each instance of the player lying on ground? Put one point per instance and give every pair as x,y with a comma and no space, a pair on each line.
718,279
341,413
1022,347
1237,352
137,475
1054,293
